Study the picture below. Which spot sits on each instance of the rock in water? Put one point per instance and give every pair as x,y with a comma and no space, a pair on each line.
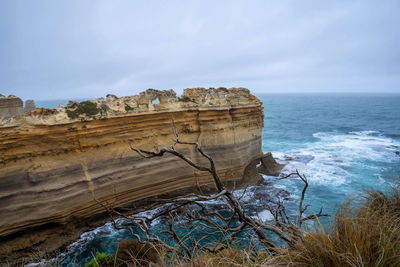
269,166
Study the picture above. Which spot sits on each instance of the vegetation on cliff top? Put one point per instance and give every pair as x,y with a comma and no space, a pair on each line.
184,99
128,108
87,108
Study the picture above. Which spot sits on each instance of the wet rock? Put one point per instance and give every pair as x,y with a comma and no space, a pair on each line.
287,158
269,166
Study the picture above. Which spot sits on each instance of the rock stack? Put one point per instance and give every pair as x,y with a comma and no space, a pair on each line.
10,106
29,106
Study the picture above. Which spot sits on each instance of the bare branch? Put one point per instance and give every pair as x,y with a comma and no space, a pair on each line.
210,223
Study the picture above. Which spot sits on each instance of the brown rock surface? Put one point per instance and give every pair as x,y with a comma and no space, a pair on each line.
52,167
269,166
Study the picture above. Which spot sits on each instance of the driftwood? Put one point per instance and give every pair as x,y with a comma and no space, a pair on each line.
198,217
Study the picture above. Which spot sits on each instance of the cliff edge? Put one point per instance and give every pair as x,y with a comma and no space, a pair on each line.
55,164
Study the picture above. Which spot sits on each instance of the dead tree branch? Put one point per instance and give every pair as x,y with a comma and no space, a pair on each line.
199,218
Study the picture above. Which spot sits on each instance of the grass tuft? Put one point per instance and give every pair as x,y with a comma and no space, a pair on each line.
367,236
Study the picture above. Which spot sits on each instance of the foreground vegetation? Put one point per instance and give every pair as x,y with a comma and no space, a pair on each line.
365,236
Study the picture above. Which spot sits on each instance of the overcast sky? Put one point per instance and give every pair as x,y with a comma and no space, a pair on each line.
76,49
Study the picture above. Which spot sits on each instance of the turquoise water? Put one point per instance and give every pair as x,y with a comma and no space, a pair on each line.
344,144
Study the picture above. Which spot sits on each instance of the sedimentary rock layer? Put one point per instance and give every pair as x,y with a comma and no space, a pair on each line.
57,165
10,106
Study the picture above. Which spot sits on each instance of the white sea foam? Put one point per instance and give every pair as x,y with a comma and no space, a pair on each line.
265,216
364,133
332,157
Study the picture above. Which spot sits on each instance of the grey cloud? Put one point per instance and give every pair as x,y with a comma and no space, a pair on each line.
72,49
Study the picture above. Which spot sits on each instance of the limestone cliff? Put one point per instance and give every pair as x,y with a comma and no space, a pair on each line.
55,163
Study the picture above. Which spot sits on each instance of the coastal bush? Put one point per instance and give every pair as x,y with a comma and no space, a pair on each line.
86,107
103,109
101,260
365,236
229,257
128,108
184,99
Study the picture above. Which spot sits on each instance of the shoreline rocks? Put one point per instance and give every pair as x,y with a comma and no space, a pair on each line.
269,166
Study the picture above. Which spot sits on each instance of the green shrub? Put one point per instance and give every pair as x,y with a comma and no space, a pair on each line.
184,99
88,108
128,108
101,260
103,108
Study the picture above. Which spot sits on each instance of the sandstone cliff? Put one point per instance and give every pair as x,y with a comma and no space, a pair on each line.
10,106
55,163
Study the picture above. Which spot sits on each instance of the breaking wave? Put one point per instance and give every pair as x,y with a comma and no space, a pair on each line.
334,159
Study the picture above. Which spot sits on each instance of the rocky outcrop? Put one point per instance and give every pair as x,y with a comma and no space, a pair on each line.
56,165
10,106
269,166
29,106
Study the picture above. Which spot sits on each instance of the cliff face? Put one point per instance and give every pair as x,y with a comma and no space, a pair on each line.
10,106
56,164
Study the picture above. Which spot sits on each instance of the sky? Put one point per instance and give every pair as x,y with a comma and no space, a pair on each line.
80,48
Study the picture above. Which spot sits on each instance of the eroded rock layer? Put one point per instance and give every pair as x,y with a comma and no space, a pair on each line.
10,106
57,165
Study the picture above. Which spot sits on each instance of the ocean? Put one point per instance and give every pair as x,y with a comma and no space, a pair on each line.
344,144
